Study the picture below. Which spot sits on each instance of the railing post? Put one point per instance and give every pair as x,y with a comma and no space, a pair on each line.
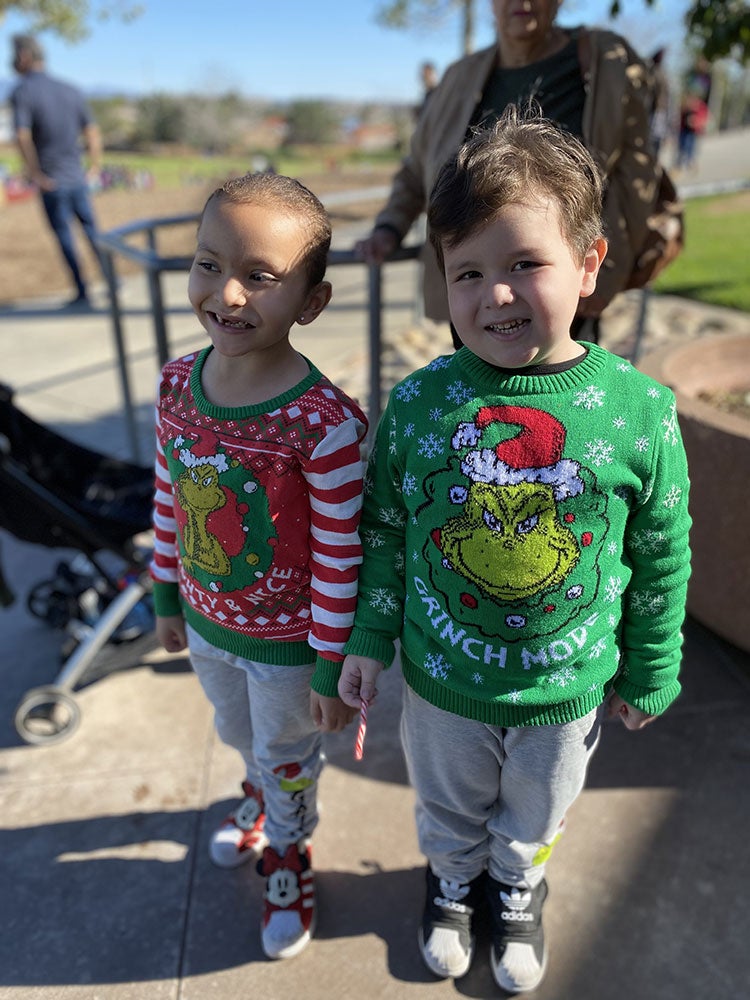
375,337
116,314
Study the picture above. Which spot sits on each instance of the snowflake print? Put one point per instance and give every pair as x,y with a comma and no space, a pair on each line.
642,444
599,452
375,539
647,541
458,392
653,392
399,562
383,600
646,602
562,677
437,666
436,413
625,367
477,678
612,548
611,620
368,485
669,423
619,423
392,515
430,446
613,589
437,363
409,484
599,647
514,696
674,494
409,390
589,397
409,431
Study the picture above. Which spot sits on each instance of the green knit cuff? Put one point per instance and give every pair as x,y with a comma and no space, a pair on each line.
166,600
325,679
646,700
376,647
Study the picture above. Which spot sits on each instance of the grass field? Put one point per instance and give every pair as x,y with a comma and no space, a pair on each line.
713,267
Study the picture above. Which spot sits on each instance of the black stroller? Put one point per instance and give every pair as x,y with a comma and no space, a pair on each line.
59,494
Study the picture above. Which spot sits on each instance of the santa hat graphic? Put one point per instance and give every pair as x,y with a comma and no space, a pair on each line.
534,455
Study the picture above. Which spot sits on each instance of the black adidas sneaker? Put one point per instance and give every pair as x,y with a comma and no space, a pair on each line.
446,938
519,956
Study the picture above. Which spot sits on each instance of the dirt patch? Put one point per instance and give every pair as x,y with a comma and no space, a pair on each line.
32,264
737,402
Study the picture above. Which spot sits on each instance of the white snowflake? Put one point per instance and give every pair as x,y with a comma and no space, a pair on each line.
647,602
619,423
399,562
562,677
383,600
409,484
612,548
611,620
599,647
647,541
409,431
437,666
430,446
375,539
670,425
458,392
642,444
653,392
392,515
613,589
477,678
514,696
368,485
435,413
674,494
599,452
408,390
625,367
589,397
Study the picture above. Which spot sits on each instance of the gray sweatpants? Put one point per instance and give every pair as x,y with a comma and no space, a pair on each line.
488,797
263,711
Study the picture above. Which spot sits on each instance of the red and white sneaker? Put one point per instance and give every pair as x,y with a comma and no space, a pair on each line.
289,901
240,837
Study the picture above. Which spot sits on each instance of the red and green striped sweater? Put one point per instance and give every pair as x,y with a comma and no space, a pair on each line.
256,516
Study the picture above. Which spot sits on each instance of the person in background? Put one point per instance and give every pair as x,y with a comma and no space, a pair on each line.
256,513
428,76
525,532
49,119
590,82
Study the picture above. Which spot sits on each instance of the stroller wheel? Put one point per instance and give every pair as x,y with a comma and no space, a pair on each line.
51,604
46,715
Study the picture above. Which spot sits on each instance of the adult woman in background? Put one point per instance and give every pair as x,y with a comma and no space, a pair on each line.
590,82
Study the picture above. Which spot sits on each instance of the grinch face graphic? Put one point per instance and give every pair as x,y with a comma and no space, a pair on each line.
512,561
510,541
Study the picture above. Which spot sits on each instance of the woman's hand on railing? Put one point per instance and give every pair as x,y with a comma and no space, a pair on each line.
377,247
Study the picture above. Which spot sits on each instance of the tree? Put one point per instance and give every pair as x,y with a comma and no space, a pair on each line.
69,18
314,122
714,28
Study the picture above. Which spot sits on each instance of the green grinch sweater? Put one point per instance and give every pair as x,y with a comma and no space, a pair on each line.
526,538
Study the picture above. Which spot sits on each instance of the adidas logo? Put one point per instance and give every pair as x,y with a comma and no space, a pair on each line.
516,899
449,904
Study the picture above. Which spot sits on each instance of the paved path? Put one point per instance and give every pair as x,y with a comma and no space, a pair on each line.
107,891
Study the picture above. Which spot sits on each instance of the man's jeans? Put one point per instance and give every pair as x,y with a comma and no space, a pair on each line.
62,205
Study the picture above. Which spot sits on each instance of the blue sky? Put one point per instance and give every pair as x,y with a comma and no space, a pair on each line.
285,49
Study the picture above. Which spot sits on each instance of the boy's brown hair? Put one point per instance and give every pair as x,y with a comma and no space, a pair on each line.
519,159
293,199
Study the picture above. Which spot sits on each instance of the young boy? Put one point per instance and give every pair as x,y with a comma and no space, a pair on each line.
258,495
525,536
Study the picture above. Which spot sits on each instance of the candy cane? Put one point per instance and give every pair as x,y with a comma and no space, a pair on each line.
359,745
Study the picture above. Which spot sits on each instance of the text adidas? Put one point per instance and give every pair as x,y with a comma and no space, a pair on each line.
514,915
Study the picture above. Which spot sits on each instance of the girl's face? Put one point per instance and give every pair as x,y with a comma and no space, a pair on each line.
514,286
248,283
524,20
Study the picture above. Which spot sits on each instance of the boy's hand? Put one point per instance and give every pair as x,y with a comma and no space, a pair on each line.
357,681
631,718
330,715
170,631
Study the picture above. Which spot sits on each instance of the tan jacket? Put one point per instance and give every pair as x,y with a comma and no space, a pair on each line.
615,131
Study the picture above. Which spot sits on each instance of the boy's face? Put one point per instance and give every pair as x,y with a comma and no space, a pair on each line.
514,285
248,283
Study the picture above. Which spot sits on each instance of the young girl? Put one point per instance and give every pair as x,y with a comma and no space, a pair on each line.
258,495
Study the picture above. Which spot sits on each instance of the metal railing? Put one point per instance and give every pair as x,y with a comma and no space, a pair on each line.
115,242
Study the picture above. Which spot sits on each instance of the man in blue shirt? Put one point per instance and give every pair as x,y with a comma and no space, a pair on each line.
49,118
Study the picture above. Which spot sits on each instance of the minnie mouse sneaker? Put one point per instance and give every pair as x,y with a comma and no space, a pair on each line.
240,837
289,901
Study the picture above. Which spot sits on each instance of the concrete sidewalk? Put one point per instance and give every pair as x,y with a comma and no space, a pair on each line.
108,893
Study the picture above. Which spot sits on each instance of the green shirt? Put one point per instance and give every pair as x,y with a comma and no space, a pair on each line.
526,538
